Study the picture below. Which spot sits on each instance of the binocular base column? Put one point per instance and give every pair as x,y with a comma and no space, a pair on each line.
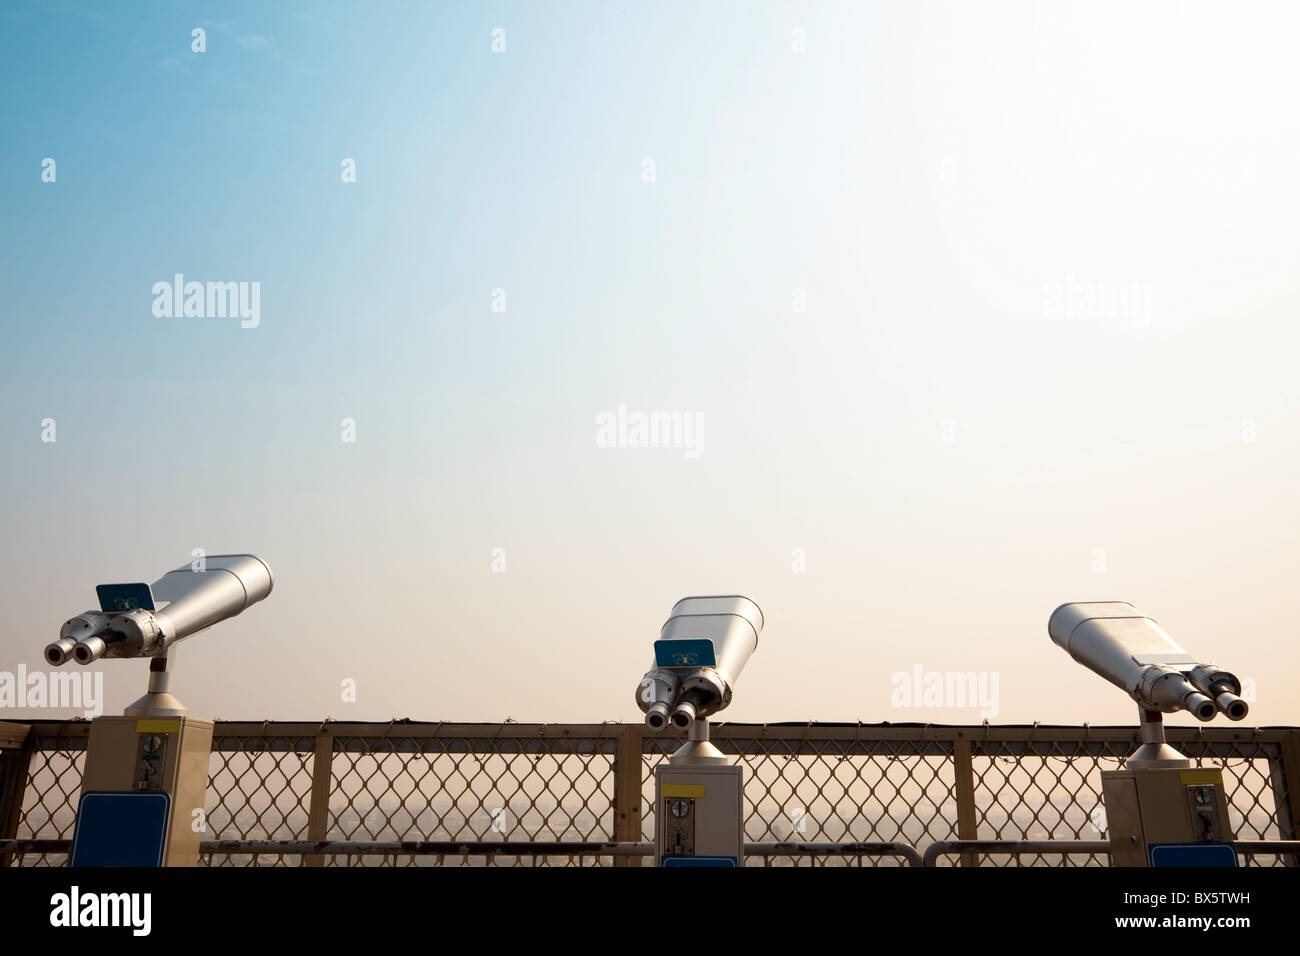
1153,751
698,749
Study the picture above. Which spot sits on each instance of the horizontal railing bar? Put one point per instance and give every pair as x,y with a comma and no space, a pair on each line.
1013,847
559,848
226,742
425,848
377,847
1022,847
1264,847
485,746
899,733
35,846
483,848
905,850
537,848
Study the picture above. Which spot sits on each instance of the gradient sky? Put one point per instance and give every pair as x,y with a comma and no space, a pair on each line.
1048,254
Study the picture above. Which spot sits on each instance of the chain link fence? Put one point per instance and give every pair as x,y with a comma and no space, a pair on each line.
594,783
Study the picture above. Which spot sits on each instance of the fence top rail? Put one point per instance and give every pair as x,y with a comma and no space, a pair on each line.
812,731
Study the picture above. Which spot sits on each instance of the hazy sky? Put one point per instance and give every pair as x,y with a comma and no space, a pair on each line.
973,308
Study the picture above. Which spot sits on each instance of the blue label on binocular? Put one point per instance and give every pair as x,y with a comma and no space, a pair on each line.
114,598
692,653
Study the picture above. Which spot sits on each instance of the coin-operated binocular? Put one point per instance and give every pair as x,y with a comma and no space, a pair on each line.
701,651
1160,810
146,772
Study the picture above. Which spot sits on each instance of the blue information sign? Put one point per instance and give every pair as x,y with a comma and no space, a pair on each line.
126,828
1192,854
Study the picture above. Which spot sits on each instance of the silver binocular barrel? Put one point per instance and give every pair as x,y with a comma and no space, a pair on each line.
1134,653
702,649
138,620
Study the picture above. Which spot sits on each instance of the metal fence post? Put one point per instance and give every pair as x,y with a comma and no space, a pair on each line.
627,793
964,778
322,775
16,742
1284,777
